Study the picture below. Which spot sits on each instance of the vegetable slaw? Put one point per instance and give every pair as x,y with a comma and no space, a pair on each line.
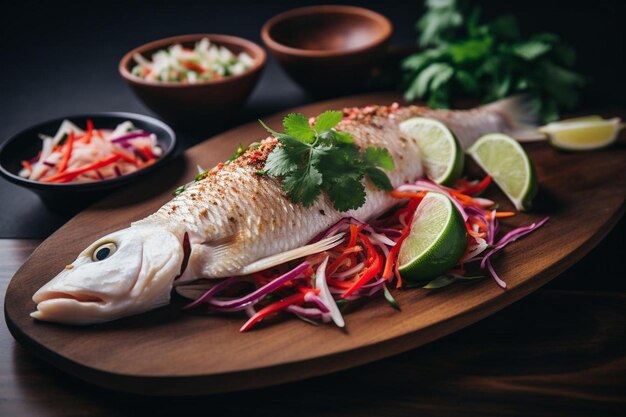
74,155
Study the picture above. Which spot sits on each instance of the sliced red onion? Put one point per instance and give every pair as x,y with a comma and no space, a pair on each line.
213,291
250,311
310,297
494,275
475,250
326,296
336,228
484,202
382,247
423,185
254,297
118,172
491,228
367,290
350,272
512,236
379,237
131,135
388,231
309,313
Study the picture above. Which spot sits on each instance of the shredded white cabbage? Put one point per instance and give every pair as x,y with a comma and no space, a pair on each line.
204,62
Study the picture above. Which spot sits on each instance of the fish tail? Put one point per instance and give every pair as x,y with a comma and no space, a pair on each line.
519,116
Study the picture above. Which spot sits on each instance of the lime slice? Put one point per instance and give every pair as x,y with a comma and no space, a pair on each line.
582,133
436,242
440,151
591,118
505,160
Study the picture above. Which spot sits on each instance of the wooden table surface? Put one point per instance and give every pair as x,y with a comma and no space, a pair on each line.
558,352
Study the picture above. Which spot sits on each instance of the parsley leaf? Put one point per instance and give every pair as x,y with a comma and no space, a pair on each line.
297,126
320,159
327,120
302,186
378,157
346,193
463,56
285,159
378,178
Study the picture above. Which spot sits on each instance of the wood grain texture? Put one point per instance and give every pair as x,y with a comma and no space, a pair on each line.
557,352
584,194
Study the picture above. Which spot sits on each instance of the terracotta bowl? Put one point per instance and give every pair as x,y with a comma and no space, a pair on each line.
328,48
199,103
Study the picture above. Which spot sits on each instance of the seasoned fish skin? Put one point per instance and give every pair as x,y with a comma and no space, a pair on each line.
235,221
235,216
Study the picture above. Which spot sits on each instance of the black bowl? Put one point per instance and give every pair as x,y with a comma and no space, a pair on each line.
64,197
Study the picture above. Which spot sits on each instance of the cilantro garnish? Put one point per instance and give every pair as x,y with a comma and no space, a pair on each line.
320,159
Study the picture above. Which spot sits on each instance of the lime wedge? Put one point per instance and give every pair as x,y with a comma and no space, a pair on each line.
440,151
436,242
583,133
505,160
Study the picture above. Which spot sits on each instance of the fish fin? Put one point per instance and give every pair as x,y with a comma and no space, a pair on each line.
221,245
194,290
290,255
520,116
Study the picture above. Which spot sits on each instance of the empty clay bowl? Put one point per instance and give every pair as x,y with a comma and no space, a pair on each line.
328,48
205,102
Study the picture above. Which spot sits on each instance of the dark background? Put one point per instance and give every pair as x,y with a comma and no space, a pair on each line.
60,58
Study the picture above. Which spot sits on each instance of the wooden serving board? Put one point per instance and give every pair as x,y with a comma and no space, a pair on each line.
168,351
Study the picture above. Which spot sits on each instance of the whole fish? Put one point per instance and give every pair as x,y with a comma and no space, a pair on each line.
236,222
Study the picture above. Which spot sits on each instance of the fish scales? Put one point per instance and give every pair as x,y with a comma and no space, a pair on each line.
235,216
235,220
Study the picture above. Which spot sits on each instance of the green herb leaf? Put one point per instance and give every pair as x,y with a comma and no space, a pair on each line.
448,279
346,193
531,49
390,299
327,120
463,56
328,162
285,159
379,179
297,126
302,185
378,157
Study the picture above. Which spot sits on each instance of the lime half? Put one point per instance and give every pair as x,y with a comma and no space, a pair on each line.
436,242
440,151
584,133
505,160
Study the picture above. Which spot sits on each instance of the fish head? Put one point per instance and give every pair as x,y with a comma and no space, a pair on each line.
124,273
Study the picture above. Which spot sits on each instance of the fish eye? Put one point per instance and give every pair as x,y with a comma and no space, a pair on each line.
103,251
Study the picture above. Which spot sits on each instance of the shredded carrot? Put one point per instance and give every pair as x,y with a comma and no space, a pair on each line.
481,225
27,166
126,157
190,65
474,234
501,214
67,153
69,175
396,271
341,258
407,194
145,151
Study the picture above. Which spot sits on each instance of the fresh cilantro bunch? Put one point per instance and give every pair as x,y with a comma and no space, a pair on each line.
320,159
462,57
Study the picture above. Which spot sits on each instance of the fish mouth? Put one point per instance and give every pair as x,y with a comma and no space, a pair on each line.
81,297
72,306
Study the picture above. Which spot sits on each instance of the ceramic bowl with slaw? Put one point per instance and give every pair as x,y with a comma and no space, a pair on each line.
117,163
193,80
